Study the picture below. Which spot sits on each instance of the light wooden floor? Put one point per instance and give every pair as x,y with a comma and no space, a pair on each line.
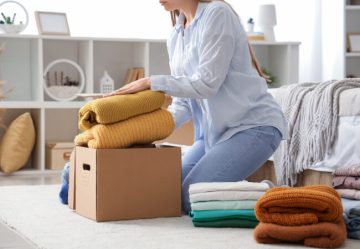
8,238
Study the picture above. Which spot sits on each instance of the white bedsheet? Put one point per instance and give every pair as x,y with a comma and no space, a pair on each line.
346,148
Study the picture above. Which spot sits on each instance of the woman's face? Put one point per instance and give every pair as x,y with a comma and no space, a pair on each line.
171,5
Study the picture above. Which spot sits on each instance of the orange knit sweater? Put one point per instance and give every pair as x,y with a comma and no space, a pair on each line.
299,206
323,234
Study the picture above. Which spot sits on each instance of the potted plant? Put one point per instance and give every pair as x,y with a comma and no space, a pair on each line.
8,22
8,25
271,79
250,25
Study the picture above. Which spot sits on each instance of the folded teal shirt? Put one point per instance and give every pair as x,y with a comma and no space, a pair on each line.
227,223
213,215
244,218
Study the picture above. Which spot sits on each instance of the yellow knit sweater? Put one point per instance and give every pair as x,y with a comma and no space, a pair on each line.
120,107
140,129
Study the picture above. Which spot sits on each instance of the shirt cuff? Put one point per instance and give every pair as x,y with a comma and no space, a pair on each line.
158,83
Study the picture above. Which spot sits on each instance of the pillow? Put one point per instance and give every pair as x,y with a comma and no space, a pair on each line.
17,143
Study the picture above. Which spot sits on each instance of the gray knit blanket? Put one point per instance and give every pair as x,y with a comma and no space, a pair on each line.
311,110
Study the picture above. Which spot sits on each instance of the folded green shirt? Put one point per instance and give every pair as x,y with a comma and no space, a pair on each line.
214,215
227,223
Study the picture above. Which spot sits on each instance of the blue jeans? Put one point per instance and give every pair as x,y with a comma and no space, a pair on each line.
232,160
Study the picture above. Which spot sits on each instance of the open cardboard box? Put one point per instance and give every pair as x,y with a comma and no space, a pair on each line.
122,184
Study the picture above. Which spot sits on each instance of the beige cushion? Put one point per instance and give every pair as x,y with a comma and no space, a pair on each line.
17,143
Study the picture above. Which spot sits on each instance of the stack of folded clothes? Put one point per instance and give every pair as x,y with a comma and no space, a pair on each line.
346,181
352,217
124,120
311,215
225,204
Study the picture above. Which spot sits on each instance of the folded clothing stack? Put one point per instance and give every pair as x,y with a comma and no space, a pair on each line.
347,182
352,217
225,204
311,215
124,120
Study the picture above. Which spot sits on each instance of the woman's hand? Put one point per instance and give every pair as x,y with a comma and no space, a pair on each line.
133,87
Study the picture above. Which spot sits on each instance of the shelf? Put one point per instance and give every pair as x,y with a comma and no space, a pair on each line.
31,172
78,38
352,7
63,105
20,104
58,120
267,43
41,104
353,54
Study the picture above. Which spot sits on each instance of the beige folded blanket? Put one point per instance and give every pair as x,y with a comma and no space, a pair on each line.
117,108
141,129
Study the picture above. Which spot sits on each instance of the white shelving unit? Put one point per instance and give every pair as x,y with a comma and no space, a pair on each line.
25,58
281,59
351,25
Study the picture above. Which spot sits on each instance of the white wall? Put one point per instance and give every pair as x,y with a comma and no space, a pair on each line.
297,21
108,18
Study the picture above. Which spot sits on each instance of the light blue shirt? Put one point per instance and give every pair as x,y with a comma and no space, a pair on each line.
212,78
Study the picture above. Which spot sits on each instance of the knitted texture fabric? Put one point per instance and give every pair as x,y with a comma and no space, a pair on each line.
353,170
117,108
140,129
348,182
311,110
299,206
321,235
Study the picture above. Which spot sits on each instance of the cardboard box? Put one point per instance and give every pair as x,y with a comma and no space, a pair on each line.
57,154
122,184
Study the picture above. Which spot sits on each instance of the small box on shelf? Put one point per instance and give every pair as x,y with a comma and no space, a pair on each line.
57,154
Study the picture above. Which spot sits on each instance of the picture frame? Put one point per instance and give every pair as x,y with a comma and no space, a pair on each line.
354,42
52,23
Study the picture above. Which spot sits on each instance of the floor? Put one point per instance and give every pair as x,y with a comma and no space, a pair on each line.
8,238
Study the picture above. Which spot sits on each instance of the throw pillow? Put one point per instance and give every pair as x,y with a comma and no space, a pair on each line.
17,143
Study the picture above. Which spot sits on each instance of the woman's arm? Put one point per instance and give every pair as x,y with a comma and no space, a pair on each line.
215,53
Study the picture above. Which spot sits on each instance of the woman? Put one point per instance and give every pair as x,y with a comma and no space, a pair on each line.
216,81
